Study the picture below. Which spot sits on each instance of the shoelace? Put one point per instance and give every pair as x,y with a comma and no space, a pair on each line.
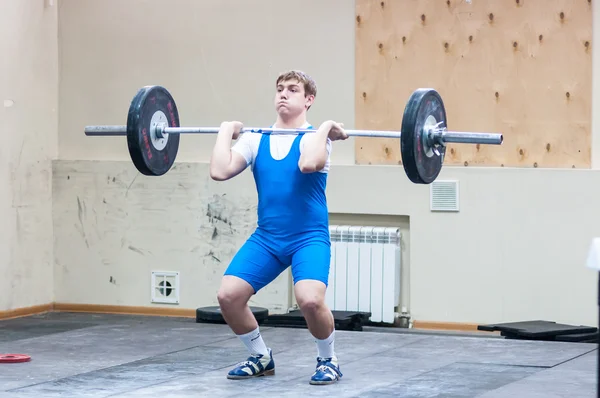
246,362
325,368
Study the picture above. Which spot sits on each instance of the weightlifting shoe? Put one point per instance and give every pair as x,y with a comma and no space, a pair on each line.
254,366
327,372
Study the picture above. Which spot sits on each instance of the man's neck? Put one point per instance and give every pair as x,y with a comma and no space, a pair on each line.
293,123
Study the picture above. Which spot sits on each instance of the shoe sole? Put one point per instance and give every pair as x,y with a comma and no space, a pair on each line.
265,373
321,383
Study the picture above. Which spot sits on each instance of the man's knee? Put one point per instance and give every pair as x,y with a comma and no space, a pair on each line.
310,295
233,292
311,305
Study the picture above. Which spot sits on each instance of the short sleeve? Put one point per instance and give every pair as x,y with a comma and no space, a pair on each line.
329,145
329,148
246,146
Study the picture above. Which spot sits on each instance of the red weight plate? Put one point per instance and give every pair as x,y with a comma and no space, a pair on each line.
14,358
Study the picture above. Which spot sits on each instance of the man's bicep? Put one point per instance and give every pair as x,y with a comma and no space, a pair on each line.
241,152
244,151
244,147
238,163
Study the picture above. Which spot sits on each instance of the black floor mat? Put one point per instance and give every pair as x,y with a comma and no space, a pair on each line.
213,314
344,320
543,330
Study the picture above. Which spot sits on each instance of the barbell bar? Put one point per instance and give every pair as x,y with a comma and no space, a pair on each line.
153,133
438,134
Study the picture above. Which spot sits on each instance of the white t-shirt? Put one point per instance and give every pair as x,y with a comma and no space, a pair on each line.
247,145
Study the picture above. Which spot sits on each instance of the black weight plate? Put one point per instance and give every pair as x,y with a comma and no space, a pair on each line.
150,156
421,166
213,314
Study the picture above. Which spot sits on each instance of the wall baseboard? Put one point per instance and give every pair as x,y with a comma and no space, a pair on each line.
449,326
123,309
26,311
98,309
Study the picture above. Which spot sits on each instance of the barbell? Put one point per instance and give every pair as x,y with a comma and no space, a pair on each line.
153,133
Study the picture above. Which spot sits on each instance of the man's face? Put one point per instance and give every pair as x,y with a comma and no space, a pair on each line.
290,99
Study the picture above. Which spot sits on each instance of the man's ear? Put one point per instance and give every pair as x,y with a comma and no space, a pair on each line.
310,99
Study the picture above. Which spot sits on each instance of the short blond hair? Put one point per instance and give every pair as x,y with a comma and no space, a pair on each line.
310,87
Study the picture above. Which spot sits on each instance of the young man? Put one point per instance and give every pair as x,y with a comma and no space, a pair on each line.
290,172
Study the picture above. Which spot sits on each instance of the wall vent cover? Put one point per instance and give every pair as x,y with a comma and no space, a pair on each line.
444,195
165,287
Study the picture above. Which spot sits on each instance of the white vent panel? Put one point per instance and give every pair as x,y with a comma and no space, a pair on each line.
165,287
444,196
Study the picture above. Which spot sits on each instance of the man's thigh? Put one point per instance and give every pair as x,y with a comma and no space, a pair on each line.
255,264
311,262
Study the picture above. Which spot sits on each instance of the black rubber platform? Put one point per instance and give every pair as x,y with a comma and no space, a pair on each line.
344,320
571,338
213,314
543,330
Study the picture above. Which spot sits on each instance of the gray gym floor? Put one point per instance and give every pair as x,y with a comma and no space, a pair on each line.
96,355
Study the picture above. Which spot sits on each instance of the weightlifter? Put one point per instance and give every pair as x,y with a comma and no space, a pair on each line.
290,172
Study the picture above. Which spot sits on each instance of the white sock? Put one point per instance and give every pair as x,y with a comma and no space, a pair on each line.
325,347
254,342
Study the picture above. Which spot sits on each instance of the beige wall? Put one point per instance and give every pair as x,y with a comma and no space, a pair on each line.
506,256
122,232
29,90
219,65
515,251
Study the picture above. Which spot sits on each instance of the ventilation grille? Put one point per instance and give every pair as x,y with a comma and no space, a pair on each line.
165,287
444,196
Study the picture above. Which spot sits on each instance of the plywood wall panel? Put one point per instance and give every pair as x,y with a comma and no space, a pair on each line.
522,68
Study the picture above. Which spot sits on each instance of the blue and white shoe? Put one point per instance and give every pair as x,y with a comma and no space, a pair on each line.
254,366
327,372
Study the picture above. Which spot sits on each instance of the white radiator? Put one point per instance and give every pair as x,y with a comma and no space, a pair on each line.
365,271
